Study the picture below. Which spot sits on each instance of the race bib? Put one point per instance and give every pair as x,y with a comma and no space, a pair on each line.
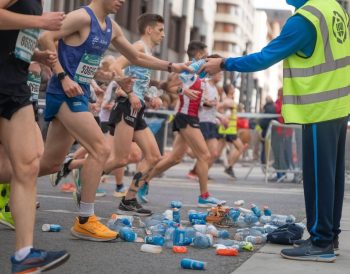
34,82
26,43
87,68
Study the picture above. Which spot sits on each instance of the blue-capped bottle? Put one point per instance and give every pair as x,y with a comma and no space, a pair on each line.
193,264
176,204
155,240
188,78
202,240
256,210
176,215
267,211
127,234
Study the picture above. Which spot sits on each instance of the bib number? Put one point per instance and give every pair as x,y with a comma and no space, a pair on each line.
34,82
87,68
26,43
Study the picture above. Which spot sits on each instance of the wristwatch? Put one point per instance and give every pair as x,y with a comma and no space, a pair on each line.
179,90
222,64
61,75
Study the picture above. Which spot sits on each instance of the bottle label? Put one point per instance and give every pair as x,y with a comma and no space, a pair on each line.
26,43
87,68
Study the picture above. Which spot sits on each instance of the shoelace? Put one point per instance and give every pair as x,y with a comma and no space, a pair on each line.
95,224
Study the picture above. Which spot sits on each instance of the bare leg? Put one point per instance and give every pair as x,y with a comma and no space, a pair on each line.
24,146
236,153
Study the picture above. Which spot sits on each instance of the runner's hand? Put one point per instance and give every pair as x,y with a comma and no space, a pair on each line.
156,103
225,122
46,57
191,93
126,83
71,88
134,101
180,67
211,66
52,20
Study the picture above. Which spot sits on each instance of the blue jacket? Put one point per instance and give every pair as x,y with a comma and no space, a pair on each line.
297,36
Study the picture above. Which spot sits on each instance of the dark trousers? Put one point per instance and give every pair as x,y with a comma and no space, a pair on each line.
324,178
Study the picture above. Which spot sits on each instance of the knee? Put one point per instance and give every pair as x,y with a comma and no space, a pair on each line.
206,157
101,151
135,157
214,155
27,167
154,159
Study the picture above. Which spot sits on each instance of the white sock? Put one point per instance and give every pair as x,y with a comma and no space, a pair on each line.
86,209
22,253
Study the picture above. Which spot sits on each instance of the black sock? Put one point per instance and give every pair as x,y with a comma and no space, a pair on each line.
119,187
83,220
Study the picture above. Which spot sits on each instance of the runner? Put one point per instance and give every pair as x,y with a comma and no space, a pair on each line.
186,123
84,37
20,138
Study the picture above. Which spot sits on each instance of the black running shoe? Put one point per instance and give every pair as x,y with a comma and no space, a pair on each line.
132,207
229,171
310,252
57,177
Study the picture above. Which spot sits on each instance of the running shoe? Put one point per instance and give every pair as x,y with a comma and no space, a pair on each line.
192,175
119,193
142,193
68,187
209,202
229,171
93,230
100,192
310,252
57,177
39,260
299,243
4,195
132,207
6,217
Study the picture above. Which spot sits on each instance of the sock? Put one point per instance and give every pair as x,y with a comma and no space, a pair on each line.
119,187
205,195
22,253
86,209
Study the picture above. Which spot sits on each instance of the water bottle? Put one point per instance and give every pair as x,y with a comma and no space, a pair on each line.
193,264
197,217
155,240
267,211
203,240
188,78
256,239
117,224
158,229
234,213
151,248
176,215
200,228
190,233
265,219
239,203
223,234
127,234
198,222
169,237
241,245
154,220
250,219
280,220
302,225
181,237
153,92
256,210
257,230
51,228
270,228
176,204
168,214
240,222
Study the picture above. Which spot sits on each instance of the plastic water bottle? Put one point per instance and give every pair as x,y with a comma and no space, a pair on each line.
223,234
176,204
154,220
197,217
169,237
181,237
234,213
117,224
198,222
151,248
256,239
267,211
257,230
200,228
188,78
127,234
280,220
203,240
265,219
51,228
193,264
168,214
270,228
242,245
176,215
158,229
256,210
155,240
190,233
250,219
240,222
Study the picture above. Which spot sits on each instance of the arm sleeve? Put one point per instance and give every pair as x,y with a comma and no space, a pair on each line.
298,34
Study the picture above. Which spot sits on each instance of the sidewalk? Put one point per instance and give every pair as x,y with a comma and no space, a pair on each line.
268,259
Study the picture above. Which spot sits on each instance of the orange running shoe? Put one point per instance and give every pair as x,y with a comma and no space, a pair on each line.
93,230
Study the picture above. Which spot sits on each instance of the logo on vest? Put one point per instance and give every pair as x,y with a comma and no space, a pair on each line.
339,27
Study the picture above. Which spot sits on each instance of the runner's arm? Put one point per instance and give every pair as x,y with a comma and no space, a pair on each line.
10,20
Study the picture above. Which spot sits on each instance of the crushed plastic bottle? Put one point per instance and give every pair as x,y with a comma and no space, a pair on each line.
234,213
127,234
267,211
176,215
176,204
256,240
155,240
241,245
265,219
256,210
169,237
280,220
203,240
118,224
250,219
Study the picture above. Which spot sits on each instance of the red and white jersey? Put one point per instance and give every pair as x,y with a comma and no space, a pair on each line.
188,106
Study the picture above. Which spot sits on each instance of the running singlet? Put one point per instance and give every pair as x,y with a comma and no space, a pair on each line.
81,62
208,114
16,51
191,107
142,77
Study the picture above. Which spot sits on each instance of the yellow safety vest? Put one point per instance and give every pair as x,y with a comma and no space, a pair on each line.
317,88
232,126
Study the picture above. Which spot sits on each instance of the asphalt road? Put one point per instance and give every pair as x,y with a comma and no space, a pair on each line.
121,257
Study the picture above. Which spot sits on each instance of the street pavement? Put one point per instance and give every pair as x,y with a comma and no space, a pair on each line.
121,257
